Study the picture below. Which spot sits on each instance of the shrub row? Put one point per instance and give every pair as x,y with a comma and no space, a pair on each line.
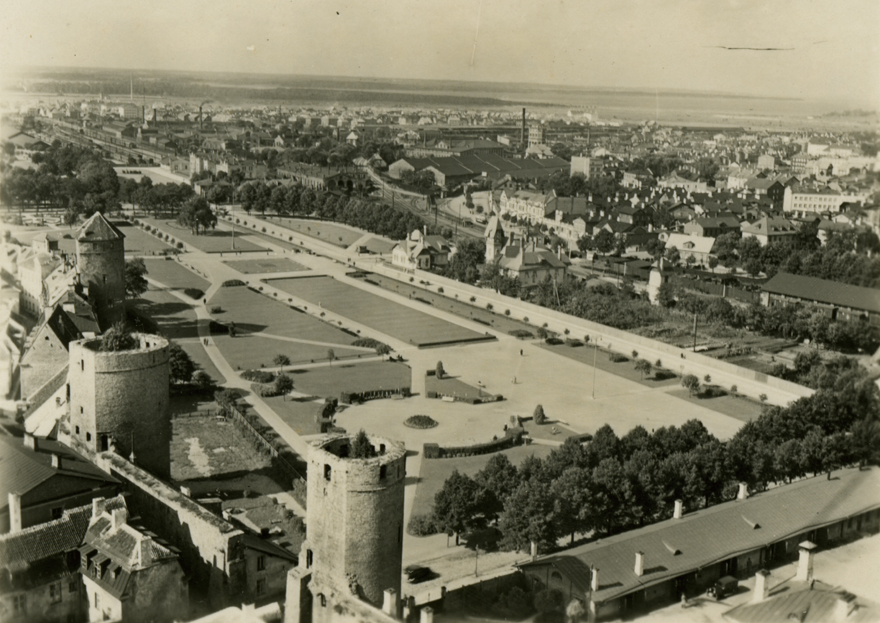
513,437
258,376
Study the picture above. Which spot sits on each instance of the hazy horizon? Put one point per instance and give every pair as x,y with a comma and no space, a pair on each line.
818,50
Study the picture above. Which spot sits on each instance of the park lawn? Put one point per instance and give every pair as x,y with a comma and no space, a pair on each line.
330,381
254,350
253,312
623,369
741,408
176,319
199,355
320,230
266,265
545,431
172,274
434,472
212,241
376,312
451,386
464,309
139,242
298,413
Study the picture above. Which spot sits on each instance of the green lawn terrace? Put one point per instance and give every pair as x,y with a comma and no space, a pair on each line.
139,242
299,413
353,378
172,274
177,320
266,327
266,265
212,241
451,386
329,232
386,316
465,309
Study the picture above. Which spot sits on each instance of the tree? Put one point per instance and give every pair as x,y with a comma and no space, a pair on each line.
281,361
181,366
713,263
283,384
331,355
528,518
666,294
604,241
673,255
196,213
539,416
574,611
691,383
866,441
135,282
439,371
382,350
203,380
361,448
499,479
458,504
118,337
643,367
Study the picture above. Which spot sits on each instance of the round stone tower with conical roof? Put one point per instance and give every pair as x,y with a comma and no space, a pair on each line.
354,526
100,268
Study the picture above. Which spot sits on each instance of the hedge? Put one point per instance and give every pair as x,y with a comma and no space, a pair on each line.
513,437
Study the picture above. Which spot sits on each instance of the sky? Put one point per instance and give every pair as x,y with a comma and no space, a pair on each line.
663,44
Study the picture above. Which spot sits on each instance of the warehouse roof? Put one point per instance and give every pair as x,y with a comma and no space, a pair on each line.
824,291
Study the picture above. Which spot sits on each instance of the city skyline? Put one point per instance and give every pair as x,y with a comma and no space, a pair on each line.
739,47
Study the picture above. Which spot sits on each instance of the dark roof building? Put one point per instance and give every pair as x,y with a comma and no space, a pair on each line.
42,478
659,562
839,300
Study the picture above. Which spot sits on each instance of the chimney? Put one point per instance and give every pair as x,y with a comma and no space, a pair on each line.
594,580
805,561
762,586
30,442
14,512
743,492
533,550
678,510
522,131
640,564
844,606
98,505
426,615
119,517
389,602
56,461
145,551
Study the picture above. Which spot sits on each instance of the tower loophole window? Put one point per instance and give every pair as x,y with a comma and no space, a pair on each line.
383,471
327,472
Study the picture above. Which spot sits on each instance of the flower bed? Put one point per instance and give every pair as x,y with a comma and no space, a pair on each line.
420,421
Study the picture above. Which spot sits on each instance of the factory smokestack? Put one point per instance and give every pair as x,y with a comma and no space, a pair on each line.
522,130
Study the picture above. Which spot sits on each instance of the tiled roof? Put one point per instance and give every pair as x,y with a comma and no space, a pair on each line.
19,550
807,605
707,536
97,227
824,291
25,469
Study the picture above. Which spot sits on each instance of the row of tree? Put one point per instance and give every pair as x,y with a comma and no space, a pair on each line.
612,483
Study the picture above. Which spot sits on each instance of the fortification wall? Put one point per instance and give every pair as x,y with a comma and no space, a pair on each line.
100,265
121,399
355,516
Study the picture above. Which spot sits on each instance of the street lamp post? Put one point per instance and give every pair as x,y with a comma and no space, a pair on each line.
595,352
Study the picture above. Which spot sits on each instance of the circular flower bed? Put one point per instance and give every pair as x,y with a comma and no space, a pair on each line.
420,421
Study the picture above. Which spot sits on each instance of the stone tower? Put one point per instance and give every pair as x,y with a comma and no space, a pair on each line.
354,526
100,268
494,237
119,401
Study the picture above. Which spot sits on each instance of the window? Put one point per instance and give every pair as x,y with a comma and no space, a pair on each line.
77,430
327,470
19,603
57,512
261,563
261,587
383,471
88,436
73,587
55,592
309,559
